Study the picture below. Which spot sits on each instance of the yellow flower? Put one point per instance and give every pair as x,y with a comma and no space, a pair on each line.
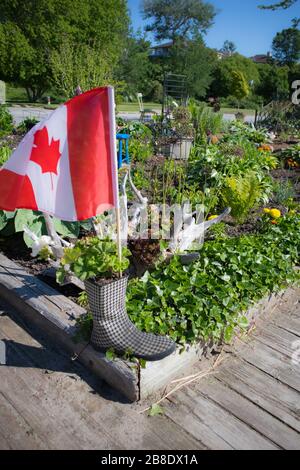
212,217
275,213
267,211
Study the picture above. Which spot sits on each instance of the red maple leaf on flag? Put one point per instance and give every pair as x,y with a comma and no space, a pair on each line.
45,155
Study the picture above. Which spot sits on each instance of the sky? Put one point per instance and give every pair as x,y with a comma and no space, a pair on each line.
251,29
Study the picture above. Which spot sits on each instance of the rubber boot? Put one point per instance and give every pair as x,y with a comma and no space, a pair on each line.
112,327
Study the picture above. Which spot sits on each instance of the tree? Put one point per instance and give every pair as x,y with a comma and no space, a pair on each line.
286,46
74,64
274,82
222,81
173,19
239,87
284,4
193,59
228,47
135,66
43,26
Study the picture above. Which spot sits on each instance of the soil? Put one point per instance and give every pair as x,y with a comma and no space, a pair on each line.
279,145
15,249
12,140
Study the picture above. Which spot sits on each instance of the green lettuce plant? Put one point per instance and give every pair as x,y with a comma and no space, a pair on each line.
93,258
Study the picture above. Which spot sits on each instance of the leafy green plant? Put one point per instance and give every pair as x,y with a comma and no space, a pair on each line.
245,131
283,192
205,121
93,258
291,156
27,124
5,152
241,193
84,324
140,142
6,121
218,231
206,299
13,222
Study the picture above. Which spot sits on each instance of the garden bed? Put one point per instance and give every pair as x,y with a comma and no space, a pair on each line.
40,305
246,257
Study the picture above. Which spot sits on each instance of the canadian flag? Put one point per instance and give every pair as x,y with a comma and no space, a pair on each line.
66,165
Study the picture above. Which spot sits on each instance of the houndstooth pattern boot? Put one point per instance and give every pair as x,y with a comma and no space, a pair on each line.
112,327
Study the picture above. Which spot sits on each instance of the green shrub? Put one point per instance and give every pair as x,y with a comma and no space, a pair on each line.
26,125
205,121
6,121
211,165
283,192
5,152
140,142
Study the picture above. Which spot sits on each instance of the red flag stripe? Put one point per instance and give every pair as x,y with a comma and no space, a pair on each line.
16,191
90,155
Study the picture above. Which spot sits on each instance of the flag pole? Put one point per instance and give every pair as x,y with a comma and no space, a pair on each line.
113,142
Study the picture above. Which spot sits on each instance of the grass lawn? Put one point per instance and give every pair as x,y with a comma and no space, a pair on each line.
15,94
134,107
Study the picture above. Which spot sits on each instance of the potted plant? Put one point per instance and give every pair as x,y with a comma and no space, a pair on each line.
96,262
184,132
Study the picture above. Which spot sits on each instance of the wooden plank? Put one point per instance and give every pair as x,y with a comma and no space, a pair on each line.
4,444
61,301
248,412
288,323
219,422
263,390
16,292
14,390
64,393
189,422
15,429
276,338
271,362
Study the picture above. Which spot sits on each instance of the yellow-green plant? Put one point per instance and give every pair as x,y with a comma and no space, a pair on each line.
241,193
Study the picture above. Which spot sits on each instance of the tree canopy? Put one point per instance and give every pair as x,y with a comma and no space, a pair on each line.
222,82
284,4
274,82
43,28
173,19
228,47
286,46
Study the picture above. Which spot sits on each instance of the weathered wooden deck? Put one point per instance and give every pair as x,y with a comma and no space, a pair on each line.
250,401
